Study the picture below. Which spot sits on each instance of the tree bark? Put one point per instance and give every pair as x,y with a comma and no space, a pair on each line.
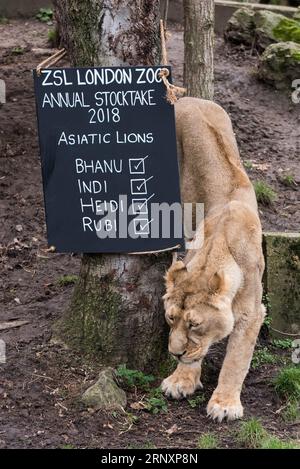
116,313
198,48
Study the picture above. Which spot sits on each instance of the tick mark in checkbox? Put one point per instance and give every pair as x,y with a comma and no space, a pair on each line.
139,186
137,165
141,226
140,206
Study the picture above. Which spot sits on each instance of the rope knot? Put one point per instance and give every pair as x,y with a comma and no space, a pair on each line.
172,90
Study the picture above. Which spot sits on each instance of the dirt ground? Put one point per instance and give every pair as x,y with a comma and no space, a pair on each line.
40,383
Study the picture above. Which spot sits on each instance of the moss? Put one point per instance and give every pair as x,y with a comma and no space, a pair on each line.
295,54
287,30
78,33
279,65
282,279
104,323
87,325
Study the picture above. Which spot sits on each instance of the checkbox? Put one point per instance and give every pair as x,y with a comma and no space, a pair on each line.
139,207
137,166
141,226
138,186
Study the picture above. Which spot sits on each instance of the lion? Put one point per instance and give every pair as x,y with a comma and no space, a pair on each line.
216,290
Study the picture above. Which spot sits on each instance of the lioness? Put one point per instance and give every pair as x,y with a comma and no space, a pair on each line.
216,290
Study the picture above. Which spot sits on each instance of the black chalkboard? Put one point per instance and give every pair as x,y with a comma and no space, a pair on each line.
108,153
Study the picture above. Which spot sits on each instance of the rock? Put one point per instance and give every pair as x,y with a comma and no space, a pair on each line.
282,280
279,65
265,23
240,28
296,15
105,393
262,28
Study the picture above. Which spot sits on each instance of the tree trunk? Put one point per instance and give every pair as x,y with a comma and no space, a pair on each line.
198,48
116,313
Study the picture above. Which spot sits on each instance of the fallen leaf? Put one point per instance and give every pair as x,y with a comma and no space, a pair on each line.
172,429
137,405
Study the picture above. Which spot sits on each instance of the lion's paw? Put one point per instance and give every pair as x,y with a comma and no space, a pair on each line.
179,386
223,407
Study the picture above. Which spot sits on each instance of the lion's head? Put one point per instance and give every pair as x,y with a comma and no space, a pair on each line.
198,311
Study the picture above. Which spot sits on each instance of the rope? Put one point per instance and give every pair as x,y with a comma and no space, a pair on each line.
52,60
172,90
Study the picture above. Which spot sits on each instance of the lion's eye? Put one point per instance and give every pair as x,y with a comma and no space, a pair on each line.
170,318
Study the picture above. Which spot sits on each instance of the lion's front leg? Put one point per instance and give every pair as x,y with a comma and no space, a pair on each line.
184,381
225,401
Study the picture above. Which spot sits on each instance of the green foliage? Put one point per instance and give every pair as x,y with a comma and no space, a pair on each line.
264,193
267,321
67,446
145,445
287,30
65,280
167,366
17,50
287,383
53,37
272,442
288,180
292,411
248,164
131,378
3,20
45,15
196,401
251,434
262,357
283,344
208,441
131,419
267,304
156,402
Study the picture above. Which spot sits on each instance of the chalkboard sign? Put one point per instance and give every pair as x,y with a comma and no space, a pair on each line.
109,163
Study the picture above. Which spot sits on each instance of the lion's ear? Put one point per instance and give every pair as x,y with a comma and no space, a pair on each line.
175,271
219,284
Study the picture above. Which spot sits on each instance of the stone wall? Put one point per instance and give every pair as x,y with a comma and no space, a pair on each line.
224,10
26,8
282,281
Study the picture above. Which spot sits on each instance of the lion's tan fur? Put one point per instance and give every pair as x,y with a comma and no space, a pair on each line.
217,290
